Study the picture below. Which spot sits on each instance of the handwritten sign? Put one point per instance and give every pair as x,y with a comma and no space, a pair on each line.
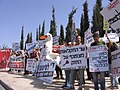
98,56
116,63
112,14
73,57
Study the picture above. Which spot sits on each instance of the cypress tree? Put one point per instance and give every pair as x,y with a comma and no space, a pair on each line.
28,38
69,25
53,24
31,37
39,31
22,39
85,21
37,34
97,19
61,35
43,29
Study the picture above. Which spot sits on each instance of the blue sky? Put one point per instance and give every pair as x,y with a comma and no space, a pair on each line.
30,13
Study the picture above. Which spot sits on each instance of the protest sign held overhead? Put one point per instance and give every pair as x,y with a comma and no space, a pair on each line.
98,56
88,37
112,14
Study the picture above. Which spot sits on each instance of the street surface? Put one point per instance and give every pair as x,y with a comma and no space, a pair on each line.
29,82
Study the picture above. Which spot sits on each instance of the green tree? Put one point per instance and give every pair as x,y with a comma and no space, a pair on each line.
37,34
97,22
39,31
22,39
69,25
61,35
28,38
82,27
31,37
43,29
53,24
85,22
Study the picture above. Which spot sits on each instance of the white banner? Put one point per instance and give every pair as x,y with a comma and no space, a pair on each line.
30,47
73,57
17,63
88,37
98,59
112,36
112,14
45,71
56,40
40,43
116,63
16,46
31,64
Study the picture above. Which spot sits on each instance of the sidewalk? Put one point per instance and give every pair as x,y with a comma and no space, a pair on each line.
28,82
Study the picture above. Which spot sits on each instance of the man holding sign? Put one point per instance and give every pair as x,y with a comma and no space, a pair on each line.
98,62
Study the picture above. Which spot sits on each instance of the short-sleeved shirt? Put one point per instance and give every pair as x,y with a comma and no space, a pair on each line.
98,43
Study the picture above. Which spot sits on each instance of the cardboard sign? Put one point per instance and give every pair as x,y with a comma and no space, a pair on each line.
45,71
98,59
116,63
16,46
73,57
112,14
56,40
30,47
88,37
17,63
31,64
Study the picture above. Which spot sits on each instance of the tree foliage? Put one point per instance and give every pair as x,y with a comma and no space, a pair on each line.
53,24
43,29
97,19
22,39
61,39
69,25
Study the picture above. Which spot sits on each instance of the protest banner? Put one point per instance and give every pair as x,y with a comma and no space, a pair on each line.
31,64
4,55
98,58
30,47
112,36
112,14
40,43
73,57
116,62
16,46
56,40
45,71
88,37
17,64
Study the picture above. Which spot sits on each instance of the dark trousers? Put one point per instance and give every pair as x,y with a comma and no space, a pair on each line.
88,72
58,71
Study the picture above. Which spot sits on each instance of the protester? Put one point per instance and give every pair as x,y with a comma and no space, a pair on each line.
111,47
58,69
67,71
95,74
26,56
74,72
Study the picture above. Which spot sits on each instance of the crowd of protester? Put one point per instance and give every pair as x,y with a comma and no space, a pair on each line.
72,75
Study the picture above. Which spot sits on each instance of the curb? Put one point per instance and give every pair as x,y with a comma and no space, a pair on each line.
5,86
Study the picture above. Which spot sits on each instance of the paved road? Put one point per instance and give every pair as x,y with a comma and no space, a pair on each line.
1,87
28,82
